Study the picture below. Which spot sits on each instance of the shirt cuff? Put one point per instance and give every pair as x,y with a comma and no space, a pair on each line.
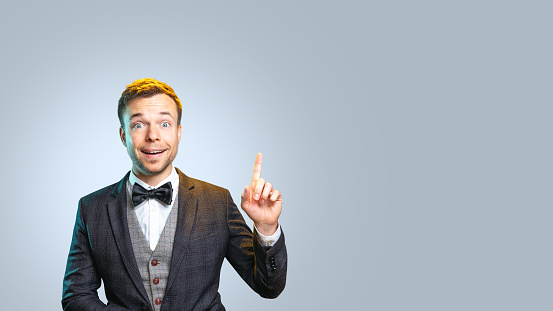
268,240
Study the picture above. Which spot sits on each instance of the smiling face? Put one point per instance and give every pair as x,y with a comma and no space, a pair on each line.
151,134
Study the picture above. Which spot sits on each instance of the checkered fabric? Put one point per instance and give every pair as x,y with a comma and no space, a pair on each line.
153,266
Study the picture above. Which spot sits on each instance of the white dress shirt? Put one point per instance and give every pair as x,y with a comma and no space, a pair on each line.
152,214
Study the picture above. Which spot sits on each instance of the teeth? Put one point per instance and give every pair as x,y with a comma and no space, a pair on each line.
152,152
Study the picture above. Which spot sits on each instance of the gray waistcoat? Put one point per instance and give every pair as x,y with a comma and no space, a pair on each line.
153,266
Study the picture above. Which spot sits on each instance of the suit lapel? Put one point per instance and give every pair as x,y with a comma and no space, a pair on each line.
188,205
117,210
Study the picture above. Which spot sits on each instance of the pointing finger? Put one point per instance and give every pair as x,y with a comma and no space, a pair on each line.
257,167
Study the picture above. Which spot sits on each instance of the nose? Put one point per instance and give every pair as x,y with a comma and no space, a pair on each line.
153,133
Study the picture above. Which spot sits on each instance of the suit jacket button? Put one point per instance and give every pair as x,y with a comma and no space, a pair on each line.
158,301
156,281
154,262
145,307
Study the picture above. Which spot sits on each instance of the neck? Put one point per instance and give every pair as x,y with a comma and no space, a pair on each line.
154,179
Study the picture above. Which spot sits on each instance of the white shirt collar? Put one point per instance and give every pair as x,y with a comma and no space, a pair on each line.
173,178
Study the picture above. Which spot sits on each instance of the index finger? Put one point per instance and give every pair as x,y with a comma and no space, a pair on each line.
257,167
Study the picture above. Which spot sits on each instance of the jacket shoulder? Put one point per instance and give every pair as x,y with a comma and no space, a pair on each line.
205,185
99,194
208,188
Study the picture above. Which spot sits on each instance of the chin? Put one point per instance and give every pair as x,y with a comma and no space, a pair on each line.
157,169
154,170
150,168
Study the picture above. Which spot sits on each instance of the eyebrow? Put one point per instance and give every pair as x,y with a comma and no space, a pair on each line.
139,114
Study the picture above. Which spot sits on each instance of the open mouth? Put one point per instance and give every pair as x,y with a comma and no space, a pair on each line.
153,153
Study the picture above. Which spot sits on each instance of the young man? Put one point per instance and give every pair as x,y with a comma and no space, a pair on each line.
157,238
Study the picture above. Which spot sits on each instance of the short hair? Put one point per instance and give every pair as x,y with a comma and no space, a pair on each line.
145,88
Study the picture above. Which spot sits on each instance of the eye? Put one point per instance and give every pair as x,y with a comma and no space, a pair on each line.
138,126
165,124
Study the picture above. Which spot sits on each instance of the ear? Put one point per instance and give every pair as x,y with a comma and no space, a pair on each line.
179,132
122,135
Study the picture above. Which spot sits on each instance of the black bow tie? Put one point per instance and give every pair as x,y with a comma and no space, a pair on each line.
163,194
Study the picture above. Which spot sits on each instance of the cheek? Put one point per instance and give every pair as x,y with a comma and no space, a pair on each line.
172,139
131,145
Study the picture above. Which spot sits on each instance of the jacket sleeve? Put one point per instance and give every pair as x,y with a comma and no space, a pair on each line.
262,268
81,280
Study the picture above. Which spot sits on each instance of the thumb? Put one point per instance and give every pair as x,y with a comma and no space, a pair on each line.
245,194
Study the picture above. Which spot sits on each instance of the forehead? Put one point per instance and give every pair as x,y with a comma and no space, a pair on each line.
152,105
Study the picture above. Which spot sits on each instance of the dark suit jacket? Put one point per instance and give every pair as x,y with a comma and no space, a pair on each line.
209,228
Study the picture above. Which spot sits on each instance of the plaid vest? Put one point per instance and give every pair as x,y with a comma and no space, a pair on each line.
153,266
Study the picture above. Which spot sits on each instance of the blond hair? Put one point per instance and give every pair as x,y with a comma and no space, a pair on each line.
145,88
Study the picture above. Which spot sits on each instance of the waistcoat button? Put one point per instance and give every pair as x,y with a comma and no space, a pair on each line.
154,262
158,301
156,281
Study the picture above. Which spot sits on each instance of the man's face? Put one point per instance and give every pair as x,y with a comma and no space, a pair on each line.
151,135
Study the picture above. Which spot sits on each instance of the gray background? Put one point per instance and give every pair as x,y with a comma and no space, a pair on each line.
411,139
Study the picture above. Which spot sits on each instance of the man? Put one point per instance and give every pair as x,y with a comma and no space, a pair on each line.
157,238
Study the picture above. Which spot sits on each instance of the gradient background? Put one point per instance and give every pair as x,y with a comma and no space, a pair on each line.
411,139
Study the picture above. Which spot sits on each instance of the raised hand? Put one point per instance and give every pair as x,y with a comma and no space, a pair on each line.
261,202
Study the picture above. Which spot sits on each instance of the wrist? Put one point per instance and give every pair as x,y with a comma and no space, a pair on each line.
266,229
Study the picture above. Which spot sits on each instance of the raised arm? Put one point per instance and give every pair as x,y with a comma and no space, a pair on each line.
261,202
